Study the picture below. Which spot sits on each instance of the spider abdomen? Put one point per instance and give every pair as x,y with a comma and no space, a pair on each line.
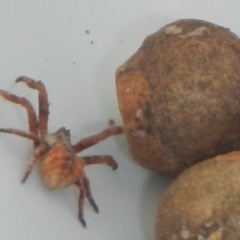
58,170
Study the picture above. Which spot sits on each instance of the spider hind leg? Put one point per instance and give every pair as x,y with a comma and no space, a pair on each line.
84,191
89,194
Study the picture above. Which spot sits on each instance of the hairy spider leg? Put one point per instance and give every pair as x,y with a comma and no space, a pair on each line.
101,159
42,102
83,184
82,191
90,141
20,133
32,118
39,149
88,193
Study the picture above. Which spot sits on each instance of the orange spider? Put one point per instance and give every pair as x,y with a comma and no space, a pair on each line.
60,166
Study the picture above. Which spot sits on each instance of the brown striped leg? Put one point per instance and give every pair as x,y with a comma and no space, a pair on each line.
89,194
81,188
39,151
32,118
84,190
42,101
30,166
106,159
90,141
21,133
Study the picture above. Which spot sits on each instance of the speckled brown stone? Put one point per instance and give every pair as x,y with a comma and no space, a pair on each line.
203,203
182,87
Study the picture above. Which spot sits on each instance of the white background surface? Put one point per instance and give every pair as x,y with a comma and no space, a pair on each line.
47,40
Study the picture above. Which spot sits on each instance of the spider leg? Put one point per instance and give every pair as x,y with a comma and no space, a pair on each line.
101,159
90,141
84,190
89,194
32,118
81,188
84,185
42,101
21,133
39,151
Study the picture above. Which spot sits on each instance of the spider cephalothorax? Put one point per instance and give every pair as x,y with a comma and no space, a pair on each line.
60,166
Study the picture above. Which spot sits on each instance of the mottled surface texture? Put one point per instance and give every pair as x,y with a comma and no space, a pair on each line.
182,87
203,203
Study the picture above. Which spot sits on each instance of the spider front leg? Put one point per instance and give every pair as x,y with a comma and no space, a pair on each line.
90,141
42,101
106,159
32,118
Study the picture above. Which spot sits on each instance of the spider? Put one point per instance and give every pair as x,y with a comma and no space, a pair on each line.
59,163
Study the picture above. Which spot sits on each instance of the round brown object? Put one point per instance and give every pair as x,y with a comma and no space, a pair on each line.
181,92
203,203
